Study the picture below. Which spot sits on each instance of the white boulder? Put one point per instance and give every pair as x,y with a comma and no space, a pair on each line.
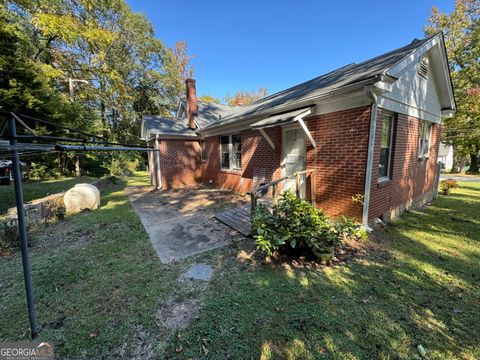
81,197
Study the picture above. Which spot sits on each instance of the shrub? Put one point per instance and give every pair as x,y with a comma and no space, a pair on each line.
290,222
446,186
295,223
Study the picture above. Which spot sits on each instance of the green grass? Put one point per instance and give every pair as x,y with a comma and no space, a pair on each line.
423,291
95,288
98,291
35,189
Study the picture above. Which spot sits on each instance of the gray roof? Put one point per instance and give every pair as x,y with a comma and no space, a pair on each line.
211,115
208,112
166,126
333,80
279,119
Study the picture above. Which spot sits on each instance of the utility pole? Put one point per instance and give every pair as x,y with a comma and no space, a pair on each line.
22,230
71,86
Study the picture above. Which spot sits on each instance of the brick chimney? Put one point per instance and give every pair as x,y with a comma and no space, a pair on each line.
191,102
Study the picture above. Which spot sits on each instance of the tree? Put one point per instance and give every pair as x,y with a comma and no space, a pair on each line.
129,71
245,97
461,29
208,98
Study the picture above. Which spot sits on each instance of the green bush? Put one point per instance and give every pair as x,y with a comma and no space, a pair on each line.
295,223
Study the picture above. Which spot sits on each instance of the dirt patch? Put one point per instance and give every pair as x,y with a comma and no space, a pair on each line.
57,236
176,315
351,251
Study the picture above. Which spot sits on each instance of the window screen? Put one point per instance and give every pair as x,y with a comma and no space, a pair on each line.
225,151
386,147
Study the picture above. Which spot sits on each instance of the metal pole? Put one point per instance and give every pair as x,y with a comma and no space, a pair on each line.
157,163
17,181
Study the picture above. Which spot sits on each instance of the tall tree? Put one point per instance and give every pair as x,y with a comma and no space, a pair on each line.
462,39
129,71
245,97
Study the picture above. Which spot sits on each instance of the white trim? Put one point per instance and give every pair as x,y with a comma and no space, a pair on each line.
402,108
370,154
158,173
423,149
305,129
242,122
230,152
265,135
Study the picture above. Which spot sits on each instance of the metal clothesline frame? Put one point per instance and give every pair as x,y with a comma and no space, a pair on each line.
15,148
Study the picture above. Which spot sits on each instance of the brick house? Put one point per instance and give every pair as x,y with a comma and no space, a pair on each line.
370,129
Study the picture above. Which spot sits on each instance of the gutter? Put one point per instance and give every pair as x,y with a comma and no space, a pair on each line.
371,149
157,161
372,92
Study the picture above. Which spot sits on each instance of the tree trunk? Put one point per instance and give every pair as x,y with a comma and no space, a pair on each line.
455,167
77,166
473,163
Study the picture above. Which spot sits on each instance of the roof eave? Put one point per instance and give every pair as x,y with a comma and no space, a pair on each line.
300,102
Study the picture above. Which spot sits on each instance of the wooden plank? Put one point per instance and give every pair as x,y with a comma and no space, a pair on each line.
242,213
232,219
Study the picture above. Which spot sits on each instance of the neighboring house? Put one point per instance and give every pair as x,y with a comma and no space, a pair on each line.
445,156
371,129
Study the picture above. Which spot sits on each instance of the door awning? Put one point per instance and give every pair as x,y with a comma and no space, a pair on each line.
281,119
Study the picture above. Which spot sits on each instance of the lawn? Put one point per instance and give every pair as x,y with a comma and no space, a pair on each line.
99,288
421,287
35,189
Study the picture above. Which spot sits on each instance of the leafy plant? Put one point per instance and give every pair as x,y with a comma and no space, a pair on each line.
295,223
290,222
349,228
446,186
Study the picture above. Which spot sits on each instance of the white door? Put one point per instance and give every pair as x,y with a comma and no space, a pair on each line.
294,148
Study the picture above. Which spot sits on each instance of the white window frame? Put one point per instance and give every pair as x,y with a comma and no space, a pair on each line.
230,152
424,141
389,163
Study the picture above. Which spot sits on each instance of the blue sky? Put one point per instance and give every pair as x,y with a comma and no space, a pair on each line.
276,44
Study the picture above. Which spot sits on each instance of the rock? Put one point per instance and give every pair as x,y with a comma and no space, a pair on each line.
201,272
81,197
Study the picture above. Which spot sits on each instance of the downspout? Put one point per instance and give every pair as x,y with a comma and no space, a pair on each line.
371,149
158,175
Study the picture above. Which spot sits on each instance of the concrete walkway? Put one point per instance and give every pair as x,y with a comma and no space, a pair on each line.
180,222
468,178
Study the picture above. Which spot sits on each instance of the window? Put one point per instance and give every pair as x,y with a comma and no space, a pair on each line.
203,151
225,151
386,148
231,152
424,141
236,151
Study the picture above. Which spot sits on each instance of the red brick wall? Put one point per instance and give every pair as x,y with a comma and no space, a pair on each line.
410,176
180,163
256,155
339,162
339,159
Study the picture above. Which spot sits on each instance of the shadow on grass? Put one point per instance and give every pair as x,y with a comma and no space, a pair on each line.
94,288
425,293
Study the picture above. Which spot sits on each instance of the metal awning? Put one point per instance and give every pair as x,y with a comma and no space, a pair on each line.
281,119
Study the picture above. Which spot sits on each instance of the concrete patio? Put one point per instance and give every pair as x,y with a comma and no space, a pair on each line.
180,222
